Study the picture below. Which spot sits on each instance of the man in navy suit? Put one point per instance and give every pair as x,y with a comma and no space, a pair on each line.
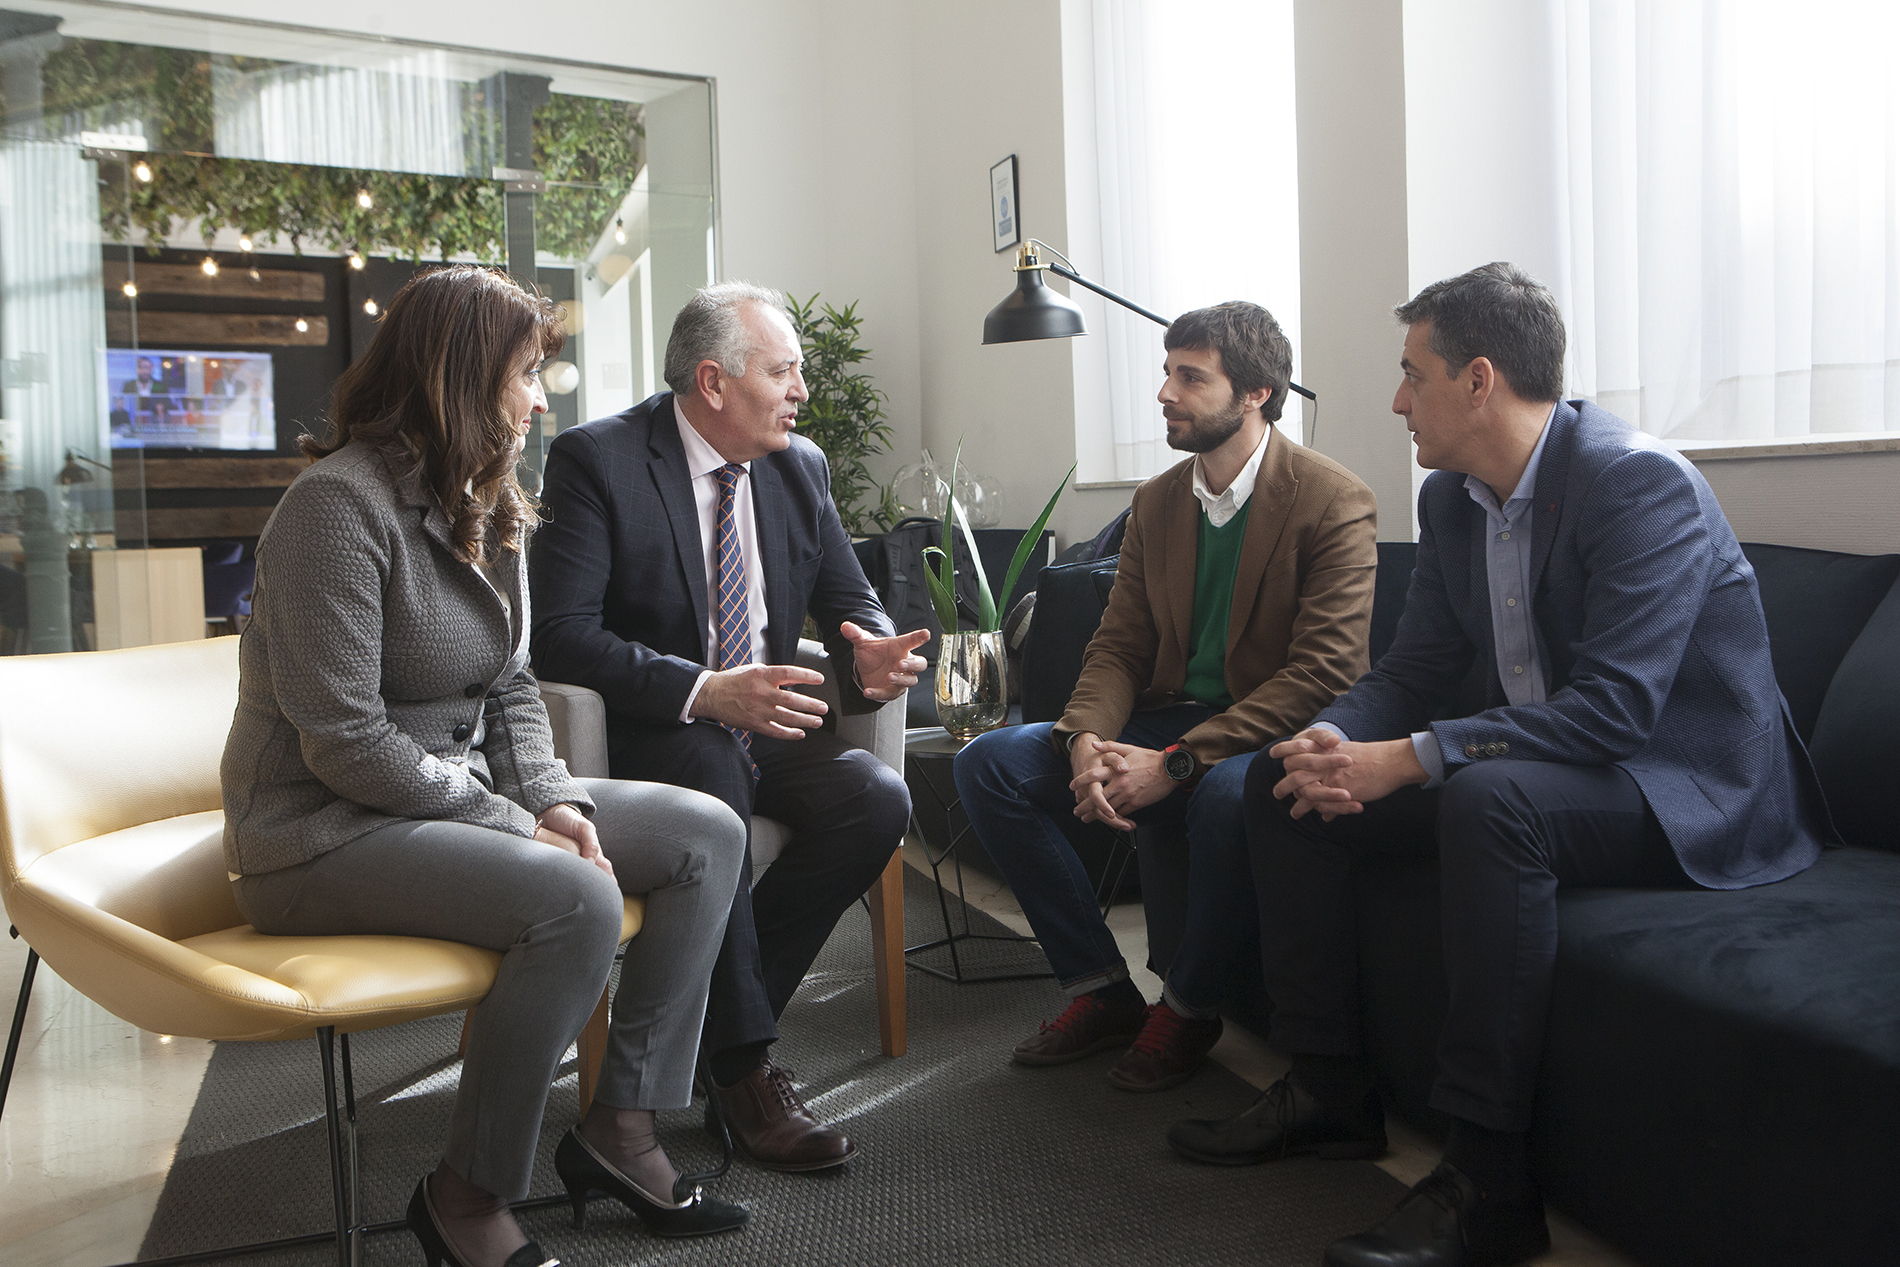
685,541
1578,693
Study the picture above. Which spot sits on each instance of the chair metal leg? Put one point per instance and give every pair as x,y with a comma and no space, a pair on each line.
1115,870
356,1172
326,1048
19,1020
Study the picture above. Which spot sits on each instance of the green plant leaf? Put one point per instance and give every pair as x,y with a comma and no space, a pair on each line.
942,597
1034,535
985,600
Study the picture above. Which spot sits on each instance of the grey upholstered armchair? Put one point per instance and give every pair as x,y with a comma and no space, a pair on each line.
579,718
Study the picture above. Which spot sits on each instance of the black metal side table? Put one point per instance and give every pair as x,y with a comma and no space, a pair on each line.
928,755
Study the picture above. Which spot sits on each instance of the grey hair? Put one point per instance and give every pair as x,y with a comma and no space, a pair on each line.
711,328
1499,312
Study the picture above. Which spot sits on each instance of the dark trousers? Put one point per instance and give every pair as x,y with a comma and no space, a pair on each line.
1014,786
847,812
1507,835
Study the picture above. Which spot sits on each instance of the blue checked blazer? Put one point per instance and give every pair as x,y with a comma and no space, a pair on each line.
1656,652
619,579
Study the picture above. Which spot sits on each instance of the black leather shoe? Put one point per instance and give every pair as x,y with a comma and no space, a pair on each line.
1444,1221
1284,1122
690,1213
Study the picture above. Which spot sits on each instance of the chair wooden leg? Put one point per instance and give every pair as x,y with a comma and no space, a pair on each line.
468,1023
887,954
593,1049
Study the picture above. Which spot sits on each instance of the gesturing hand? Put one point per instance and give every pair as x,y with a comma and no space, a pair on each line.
886,667
565,827
749,698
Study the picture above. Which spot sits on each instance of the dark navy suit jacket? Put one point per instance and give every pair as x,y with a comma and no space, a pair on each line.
618,576
1656,651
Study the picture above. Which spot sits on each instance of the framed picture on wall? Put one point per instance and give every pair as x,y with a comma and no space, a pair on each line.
1005,220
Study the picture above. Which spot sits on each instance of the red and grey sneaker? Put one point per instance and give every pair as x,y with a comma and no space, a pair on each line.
1168,1051
1086,1026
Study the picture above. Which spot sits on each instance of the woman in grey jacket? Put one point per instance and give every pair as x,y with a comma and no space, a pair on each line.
390,769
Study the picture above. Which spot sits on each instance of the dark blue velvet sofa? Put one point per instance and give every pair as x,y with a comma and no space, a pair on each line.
1721,1081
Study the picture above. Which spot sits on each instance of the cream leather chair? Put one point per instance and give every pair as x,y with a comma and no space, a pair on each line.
111,869
579,718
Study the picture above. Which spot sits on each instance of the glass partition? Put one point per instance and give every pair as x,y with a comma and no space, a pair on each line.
200,222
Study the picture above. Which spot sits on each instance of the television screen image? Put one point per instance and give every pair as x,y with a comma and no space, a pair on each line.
189,400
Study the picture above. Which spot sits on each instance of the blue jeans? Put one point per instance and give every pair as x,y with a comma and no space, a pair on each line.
1014,785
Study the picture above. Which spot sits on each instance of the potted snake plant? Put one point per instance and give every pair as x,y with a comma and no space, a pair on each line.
972,672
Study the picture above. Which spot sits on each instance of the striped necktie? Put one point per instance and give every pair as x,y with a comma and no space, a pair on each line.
735,623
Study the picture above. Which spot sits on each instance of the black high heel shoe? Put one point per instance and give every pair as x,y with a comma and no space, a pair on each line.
435,1246
691,1213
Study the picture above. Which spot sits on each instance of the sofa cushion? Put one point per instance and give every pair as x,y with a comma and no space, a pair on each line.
1858,733
1707,1044
1816,603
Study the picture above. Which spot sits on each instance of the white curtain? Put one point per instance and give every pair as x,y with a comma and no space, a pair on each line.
1734,214
406,117
1196,199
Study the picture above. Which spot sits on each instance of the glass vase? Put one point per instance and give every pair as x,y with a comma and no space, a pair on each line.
972,684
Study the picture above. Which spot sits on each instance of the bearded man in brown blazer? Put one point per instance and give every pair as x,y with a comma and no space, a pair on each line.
1240,609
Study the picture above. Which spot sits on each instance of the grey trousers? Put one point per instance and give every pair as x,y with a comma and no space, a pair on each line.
556,920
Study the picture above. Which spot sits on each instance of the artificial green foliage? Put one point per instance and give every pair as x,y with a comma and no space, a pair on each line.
845,415
592,147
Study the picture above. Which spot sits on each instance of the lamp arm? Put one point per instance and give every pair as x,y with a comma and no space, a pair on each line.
1106,293
1156,317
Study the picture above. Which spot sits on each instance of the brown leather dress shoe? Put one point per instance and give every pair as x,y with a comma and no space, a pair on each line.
772,1126
1085,1027
1170,1048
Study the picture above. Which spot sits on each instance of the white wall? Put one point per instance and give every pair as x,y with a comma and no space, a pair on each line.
1351,105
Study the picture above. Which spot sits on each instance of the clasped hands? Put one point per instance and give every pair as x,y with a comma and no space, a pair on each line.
1113,780
565,827
758,698
1334,776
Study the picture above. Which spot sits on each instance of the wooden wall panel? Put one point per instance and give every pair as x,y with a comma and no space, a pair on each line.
233,282
186,330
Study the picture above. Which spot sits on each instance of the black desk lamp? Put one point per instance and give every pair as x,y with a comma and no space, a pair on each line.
1036,312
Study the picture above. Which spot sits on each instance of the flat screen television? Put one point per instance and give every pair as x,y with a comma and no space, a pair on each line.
188,400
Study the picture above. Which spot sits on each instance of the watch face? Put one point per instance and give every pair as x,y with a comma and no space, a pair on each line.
1179,763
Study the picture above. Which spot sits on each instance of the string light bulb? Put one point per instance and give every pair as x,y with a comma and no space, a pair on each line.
356,260
143,171
256,276
210,267
369,306
303,327
244,242
620,232
131,290
363,199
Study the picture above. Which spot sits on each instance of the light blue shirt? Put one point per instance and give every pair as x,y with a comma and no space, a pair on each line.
1508,578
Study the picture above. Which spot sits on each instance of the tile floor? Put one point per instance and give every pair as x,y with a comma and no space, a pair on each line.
97,1107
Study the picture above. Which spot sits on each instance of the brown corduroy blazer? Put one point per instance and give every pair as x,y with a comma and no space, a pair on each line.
1302,605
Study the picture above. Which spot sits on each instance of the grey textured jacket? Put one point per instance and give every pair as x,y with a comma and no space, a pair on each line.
380,678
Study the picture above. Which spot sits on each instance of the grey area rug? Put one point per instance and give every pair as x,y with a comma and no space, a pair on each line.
964,1157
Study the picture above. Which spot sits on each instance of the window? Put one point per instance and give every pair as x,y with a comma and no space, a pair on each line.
1183,192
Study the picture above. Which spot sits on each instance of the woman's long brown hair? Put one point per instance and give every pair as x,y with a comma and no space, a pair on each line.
428,392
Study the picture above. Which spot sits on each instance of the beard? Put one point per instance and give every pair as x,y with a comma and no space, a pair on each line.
1205,434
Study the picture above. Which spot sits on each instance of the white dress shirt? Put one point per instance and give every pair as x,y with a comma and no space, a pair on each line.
1227,505
703,462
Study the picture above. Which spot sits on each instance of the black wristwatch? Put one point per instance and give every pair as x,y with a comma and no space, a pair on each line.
1178,762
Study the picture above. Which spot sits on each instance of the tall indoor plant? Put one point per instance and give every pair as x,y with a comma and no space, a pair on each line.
972,672
845,415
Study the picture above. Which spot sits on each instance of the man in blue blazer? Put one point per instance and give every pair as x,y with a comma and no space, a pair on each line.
685,541
1578,693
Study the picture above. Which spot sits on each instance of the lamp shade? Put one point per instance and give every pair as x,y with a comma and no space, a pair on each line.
1032,311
